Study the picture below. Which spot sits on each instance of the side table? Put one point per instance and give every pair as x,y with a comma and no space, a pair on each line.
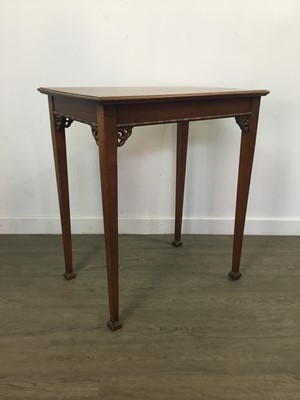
112,113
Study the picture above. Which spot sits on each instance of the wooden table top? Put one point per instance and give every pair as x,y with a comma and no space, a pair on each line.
117,94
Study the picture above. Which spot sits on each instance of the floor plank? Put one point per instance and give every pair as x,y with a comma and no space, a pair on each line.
188,331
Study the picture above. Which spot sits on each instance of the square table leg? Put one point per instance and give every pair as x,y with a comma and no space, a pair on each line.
182,142
108,157
60,160
248,125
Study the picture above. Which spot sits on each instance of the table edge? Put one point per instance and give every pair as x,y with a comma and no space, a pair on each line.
154,98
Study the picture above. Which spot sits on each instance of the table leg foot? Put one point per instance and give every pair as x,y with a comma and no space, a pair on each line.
114,326
69,275
177,243
234,275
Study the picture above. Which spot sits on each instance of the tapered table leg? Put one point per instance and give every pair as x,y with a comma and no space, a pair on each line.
248,125
60,159
182,141
108,144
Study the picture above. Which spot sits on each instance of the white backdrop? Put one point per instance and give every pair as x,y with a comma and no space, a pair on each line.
232,43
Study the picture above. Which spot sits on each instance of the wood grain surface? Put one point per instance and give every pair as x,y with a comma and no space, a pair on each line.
147,93
189,332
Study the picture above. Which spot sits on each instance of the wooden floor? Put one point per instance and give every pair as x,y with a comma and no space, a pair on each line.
188,332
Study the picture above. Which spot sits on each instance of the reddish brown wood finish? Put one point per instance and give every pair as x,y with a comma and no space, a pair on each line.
112,112
135,94
60,159
108,145
248,139
182,142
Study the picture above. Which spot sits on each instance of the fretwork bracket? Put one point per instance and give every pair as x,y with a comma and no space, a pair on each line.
243,122
122,134
62,122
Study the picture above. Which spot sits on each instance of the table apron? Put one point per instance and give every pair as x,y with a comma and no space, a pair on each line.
154,113
162,112
77,109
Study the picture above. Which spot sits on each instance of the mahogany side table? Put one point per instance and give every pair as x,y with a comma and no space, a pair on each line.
112,113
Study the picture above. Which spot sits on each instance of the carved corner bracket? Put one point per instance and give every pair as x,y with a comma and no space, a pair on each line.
122,133
62,122
94,128
243,122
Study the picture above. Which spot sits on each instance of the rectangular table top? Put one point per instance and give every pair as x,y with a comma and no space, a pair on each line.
128,94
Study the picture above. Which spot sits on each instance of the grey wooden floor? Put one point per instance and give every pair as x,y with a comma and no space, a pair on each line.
188,332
